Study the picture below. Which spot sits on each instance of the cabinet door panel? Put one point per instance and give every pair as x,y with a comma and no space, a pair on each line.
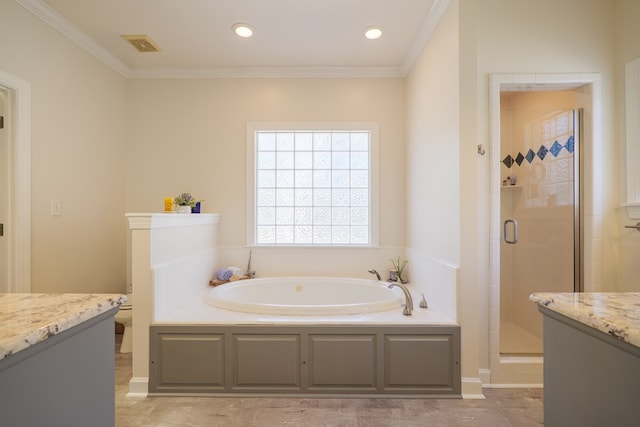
187,362
342,361
419,361
265,360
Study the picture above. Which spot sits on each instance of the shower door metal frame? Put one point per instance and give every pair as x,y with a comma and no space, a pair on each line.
578,210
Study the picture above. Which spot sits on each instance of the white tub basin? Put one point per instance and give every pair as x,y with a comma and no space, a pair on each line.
306,296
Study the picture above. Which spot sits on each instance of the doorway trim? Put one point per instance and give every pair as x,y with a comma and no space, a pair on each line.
18,222
527,371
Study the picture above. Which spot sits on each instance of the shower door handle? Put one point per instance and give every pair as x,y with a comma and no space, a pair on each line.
513,240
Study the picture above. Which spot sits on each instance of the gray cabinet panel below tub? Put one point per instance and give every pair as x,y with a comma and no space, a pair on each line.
419,362
266,361
342,361
183,361
298,360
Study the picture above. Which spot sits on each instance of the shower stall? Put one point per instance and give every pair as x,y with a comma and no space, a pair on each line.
540,209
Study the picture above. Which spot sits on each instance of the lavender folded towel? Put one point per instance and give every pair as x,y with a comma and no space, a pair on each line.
224,274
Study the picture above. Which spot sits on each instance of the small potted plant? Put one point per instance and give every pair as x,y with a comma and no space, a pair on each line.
185,202
399,265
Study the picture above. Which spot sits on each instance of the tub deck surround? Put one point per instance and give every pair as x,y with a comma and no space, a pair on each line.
27,319
198,311
197,348
173,258
615,313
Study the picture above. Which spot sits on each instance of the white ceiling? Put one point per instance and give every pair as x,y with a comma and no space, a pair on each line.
292,37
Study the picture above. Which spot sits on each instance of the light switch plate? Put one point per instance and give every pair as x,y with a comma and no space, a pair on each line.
56,208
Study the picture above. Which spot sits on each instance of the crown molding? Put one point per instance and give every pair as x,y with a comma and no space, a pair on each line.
51,17
429,25
267,72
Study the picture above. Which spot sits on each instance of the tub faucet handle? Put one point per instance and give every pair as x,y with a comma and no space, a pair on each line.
423,303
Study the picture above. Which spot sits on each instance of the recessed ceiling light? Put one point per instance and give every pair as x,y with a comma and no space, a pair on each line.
242,30
373,33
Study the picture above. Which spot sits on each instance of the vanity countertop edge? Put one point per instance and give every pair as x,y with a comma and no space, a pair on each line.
615,313
27,319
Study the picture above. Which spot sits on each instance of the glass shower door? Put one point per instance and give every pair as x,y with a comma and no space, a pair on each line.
540,216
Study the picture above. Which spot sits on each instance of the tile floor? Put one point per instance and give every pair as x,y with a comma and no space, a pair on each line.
502,407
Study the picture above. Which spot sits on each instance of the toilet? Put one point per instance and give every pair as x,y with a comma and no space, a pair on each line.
124,316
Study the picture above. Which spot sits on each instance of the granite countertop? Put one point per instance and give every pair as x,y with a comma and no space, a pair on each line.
27,319
614,313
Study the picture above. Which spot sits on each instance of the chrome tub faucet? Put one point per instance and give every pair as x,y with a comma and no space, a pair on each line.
408,305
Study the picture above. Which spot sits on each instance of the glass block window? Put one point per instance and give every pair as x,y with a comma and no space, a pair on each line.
312,187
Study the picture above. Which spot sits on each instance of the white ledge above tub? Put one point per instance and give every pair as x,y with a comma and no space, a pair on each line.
148,221
633,210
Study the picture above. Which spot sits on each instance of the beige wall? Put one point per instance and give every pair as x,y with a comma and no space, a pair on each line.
78,139
433,146
627,49
547,36
190,135
512,41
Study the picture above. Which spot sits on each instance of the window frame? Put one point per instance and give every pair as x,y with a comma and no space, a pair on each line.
254,127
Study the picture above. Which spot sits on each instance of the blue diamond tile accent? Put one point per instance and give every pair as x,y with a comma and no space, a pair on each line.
542,152
556,148
569,145
519,159
530,155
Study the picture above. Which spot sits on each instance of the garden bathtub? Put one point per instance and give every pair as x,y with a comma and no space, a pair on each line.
306,296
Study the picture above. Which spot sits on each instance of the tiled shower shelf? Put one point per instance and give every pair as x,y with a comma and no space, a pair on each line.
511,186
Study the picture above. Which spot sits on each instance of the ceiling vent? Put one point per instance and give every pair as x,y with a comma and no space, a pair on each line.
142,42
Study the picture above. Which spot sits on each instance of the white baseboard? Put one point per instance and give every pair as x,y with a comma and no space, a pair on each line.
513,385
485,376
472,388
138,387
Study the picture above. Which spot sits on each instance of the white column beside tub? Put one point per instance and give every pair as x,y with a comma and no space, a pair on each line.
57,364
591,358
183,244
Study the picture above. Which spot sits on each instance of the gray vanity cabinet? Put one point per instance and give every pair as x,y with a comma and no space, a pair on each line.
299,360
